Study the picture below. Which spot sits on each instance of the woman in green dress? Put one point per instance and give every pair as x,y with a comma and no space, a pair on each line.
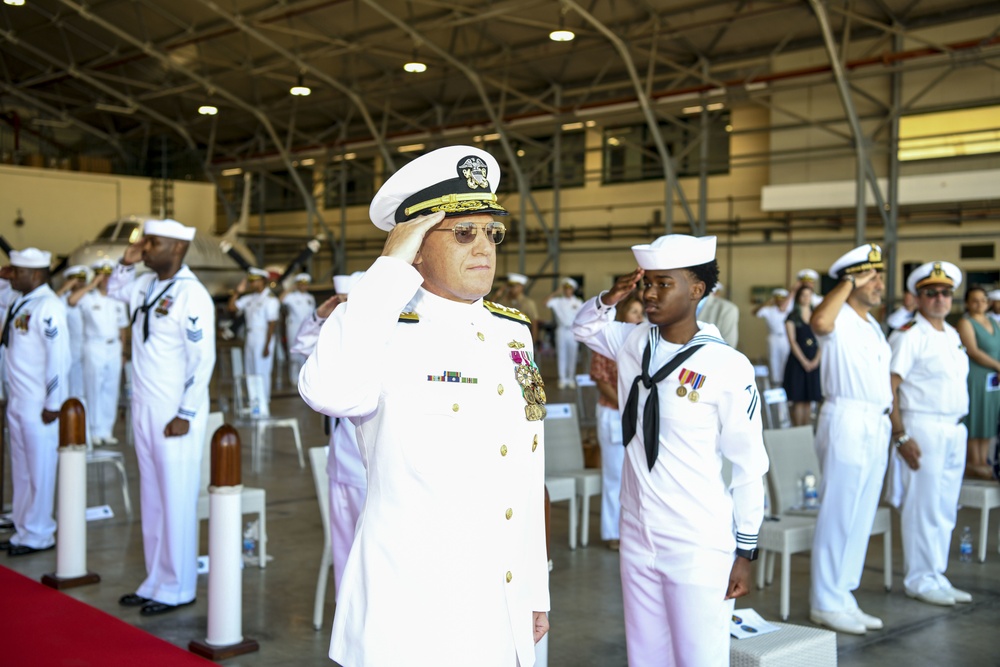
981,337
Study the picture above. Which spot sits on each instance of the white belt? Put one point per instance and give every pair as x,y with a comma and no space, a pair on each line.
854,404
932,416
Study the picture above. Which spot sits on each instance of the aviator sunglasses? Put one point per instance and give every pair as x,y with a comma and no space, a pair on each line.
932,293
465,232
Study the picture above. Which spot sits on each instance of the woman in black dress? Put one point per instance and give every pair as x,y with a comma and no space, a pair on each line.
802,370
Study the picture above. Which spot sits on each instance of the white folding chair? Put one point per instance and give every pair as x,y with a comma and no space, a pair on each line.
564,488
252,410
564,458
318,458
253,500
586,400
984,496
99,457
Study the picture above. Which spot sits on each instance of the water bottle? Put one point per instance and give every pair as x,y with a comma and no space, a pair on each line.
810,491
255,407
965,546
250,543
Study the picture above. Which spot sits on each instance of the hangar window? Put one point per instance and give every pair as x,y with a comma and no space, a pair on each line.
949,134
630,151
351,177
535,158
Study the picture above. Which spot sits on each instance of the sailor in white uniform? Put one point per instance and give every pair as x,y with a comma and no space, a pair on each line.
299,306
344,466
173,355
810,277
852,437
37,356
687,539
774,313
104,323
75,278
261,310
448,566
564,304
929,381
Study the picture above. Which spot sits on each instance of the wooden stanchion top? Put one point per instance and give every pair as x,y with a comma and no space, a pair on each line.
72,423
226,457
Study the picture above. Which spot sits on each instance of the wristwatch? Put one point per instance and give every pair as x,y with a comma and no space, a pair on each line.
849,278
901,440
749,554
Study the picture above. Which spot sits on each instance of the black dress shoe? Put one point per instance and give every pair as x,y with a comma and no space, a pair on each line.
24,550
154,608
132,600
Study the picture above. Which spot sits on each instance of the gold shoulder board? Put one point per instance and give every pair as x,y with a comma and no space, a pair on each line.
505,312
909,325
409,317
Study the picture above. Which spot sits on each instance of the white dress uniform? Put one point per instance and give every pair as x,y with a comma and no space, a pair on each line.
565,308
259,309
344,466
74,330
103,320
852,445
933,398
170,375
37,360
680,524
300,306
778,347
449,558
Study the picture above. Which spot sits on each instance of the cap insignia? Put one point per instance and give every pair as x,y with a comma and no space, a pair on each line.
474,171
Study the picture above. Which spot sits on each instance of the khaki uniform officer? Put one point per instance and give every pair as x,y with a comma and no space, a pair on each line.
448,566
686,538
261,310
299,306
173,355
37,356
852,437
929,370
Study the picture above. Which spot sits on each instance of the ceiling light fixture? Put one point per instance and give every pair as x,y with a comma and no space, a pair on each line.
15,3
411,148
562,35
414,67
235,171
208,110
300,89
308,162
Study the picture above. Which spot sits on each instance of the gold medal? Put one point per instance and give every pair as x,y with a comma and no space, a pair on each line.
693,397
681,391
534,413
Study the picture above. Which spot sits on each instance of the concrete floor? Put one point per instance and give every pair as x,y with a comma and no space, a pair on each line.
586,618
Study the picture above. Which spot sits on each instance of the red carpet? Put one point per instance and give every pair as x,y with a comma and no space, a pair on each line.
45,628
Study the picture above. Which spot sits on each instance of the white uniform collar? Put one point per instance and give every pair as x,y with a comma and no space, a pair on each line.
430,305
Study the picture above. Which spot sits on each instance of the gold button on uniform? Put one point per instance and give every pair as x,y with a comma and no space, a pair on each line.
480,336
534,443
500,389
510,513
509,576
503,450
454,408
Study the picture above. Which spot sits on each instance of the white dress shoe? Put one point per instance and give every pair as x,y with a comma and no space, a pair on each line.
112,440
936,596
960,596
840,621
870,622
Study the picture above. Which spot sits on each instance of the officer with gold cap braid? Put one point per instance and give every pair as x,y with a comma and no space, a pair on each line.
687,539
448,566
261,309
75,279
851,437
299,304
37,358
929,370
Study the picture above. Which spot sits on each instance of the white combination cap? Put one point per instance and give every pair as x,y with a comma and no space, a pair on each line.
993,295
808,275
517,279
31,258
169,229
675,251
459,180
254,273
934,273
569,281
780,292
303,278
77,270
103,266
861,259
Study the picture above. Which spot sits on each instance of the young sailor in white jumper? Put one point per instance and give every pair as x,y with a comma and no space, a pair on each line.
37,355
261,310
173,355
929,382
299,305
686,538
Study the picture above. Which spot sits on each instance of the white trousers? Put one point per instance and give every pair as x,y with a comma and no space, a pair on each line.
778,350
675,611
102,372
255,363
567,350
930,498
33,461
852,445
345,508
609,437
76,387
169,480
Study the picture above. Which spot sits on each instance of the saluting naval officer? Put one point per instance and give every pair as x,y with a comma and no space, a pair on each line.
173,355
75,279
929,369
344,467
104,322
564,304
852,436
37,358
299,306
261,309
774,312
448,566
687,539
